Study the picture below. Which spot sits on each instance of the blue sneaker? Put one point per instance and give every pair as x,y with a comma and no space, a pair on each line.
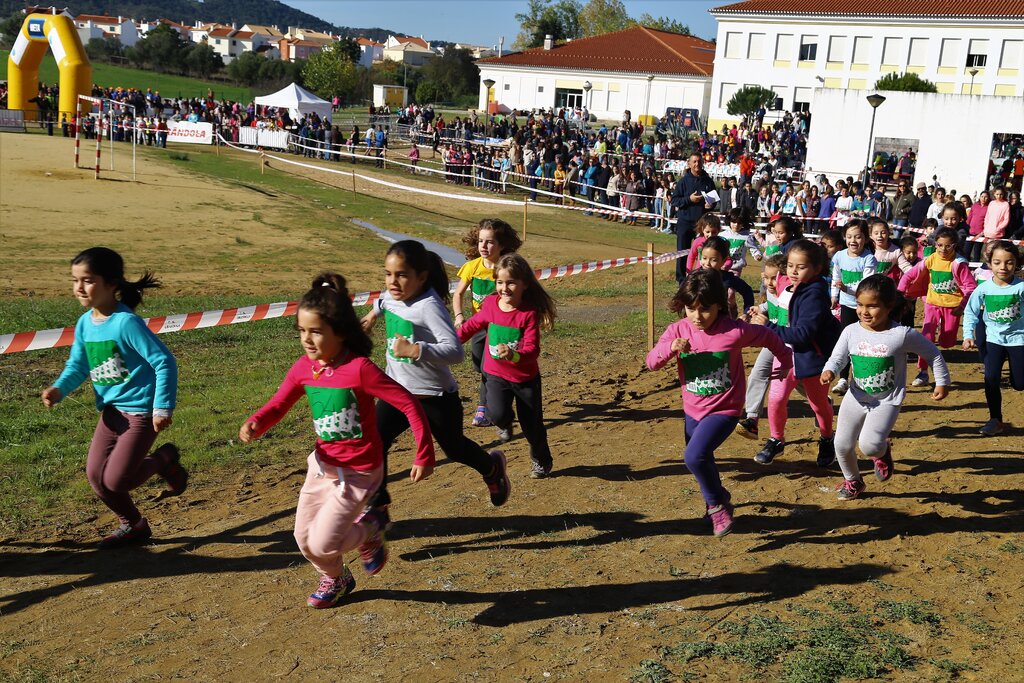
331,590
374,550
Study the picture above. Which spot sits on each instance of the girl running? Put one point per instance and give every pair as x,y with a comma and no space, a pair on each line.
812,333
782,232
877,346
998,302
135,380
708,349
707,226
346,466
849,267
714,255
512,319
891,261
421,345
485,244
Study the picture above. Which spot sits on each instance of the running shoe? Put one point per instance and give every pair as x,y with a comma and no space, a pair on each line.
826,451
127,534
480,417
172,472
505,435
499,484
921,379
721,519
841,387
850,489
772,449
747,428
331,590
992,428
883,465
539,471
374,550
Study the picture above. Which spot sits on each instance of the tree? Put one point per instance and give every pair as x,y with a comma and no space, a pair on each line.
162,50
202,61
350,49
245,68
102,49
907,82
746,101
9,29
559,19
664,24
452,75
426,93
603,16
330,72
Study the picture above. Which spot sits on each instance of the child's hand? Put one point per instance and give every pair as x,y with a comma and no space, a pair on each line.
161,422
368,320
680,346
403,348
757,317
420,472
248,431
969,345
827,376
941,391
51,396
835,301
505,353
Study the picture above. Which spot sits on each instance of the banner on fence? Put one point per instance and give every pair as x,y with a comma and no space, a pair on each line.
12,120
268,139
193,133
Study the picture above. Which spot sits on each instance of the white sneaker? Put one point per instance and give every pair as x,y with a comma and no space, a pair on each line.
841,387
921,379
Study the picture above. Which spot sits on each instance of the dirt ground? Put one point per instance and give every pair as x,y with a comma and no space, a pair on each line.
594,574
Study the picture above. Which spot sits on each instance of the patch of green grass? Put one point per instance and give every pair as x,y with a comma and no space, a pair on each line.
1013,546
651,671
177,156
914,612
951,667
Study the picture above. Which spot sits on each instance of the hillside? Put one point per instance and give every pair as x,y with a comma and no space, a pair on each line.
267,12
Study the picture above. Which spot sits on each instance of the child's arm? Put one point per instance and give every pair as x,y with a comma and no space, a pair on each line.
75,372
475,323
910,276
971,314
755,335
142,339
457,309
447,349
662,352
380,386
839,358
870,266
802,335
837,281
260,422
919,344
965,281
370,319
529,343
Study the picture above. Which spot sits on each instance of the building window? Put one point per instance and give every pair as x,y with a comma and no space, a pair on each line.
540,88
756,49
918,52
233,43
217,41
728,90
780,97
568,98
950,50
784,47
809,48
861,50
802,99
977,53
892,51
508,86
733,45
837,49
1013,54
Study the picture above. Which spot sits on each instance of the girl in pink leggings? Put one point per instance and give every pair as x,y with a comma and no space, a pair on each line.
812,333
346,467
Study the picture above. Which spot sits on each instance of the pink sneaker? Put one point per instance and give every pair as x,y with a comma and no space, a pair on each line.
721,519
331,590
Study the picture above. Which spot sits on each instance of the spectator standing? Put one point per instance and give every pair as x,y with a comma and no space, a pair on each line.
688,198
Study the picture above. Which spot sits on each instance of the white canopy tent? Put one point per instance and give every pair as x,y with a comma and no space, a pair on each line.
298,101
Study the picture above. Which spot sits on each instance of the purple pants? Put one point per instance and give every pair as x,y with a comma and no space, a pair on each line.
118,460
702,438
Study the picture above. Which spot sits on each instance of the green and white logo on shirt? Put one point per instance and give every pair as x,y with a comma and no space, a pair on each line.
499,334
778,314
928,251
884,267
481,289
335,413
772,250
395,325
1003,308
106,366
875,375
943,283
851,277
707,372
736,245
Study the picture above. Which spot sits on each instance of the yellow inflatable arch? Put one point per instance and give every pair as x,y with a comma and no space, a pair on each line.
40,31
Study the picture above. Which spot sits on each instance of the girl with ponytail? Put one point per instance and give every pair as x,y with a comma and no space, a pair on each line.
135,380
347,465
421,345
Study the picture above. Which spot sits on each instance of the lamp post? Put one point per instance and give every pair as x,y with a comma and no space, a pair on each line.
973,72
875,101
647,99
488,84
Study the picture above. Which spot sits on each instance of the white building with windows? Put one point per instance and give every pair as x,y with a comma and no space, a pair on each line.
637,69
795,46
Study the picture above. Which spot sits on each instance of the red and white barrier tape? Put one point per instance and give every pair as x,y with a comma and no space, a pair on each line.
64,336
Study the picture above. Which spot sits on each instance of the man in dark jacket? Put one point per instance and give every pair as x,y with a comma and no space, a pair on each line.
919,209
690,204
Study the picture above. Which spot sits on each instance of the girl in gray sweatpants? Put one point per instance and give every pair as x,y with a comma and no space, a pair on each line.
878,350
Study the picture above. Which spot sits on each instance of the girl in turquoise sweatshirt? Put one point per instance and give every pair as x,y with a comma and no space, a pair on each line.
135,380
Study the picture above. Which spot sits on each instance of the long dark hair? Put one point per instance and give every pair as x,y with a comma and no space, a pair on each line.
884,287
417,257
108,264
328,297
534,295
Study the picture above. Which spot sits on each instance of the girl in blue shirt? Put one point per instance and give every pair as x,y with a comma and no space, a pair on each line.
135,380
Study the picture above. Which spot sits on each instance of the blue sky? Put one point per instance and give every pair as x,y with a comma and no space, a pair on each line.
479,22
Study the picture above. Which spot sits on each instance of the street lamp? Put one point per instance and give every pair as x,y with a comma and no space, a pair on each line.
587,85
488,83
973,72
874,100
647,100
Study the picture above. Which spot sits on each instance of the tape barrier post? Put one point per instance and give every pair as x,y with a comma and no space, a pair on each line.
99,141
650,295
263,163
353,182
78,129
526,218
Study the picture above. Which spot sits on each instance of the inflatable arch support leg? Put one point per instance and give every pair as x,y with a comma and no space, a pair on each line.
39,32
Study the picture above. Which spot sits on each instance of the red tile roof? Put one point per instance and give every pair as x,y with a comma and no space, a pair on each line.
367,41
412,39
889,8
221,32
244,35
662,53
97,19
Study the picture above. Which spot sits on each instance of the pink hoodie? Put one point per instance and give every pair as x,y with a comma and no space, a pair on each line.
996,219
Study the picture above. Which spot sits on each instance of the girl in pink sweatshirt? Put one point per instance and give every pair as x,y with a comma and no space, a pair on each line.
707,346
346,467
997,217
